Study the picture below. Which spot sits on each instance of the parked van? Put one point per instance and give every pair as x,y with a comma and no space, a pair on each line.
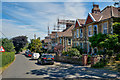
35,55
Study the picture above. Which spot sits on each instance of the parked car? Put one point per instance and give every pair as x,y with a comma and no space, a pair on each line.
35,55
29,54
46,58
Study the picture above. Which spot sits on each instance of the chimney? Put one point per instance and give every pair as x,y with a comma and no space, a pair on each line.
95,8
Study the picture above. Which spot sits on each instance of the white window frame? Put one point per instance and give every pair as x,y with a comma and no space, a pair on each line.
81,33
77,31
89,30
89,47
94,29
105,27
81,45
69,41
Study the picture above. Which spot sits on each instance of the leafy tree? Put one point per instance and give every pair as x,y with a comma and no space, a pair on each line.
96,39
7,45
35,45
111,43
19,42
116,29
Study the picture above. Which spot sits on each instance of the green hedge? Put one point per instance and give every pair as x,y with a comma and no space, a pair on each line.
6,58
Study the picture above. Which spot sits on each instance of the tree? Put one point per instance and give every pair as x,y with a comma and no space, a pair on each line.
35,45
111,44
96,39
116,29
7,45
19,42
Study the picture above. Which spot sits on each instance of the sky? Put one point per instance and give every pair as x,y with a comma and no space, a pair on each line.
29,18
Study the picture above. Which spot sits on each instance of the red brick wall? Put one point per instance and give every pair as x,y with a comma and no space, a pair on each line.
76,25
89,20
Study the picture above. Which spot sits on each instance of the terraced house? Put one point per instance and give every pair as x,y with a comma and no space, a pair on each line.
65,38
98,21
78,33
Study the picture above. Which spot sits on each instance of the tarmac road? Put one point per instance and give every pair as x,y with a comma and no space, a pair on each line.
24,67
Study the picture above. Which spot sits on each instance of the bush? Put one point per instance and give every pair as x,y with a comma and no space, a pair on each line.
6,58
79,49
74,52
64,53
88,60
100,64
117,57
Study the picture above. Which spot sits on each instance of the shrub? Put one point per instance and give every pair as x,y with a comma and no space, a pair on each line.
6,58
74,52
88,60
79,49
100,64
118,57
64,53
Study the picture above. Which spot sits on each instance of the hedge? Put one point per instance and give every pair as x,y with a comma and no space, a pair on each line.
6,58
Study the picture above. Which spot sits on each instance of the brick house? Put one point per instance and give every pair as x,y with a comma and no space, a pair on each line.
100,22
65,38
78,33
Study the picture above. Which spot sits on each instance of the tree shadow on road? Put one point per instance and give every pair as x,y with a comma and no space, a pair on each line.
72,72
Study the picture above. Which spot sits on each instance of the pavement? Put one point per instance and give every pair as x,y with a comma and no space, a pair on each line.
24,67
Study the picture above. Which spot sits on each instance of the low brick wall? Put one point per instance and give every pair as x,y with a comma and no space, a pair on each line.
66,59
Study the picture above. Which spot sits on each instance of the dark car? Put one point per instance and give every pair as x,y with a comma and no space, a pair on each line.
46,59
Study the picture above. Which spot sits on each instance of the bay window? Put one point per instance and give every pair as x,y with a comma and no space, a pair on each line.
77,33
105,28
81,33
95,29
90,30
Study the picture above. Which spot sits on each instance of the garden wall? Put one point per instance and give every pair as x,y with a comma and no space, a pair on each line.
66,59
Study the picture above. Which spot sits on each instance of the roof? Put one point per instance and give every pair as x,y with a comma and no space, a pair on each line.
67,33
106,13
81,21
53,35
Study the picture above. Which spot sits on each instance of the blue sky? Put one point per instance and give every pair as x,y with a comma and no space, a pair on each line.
29,18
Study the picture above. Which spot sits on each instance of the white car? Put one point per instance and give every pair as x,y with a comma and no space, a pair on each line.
35,55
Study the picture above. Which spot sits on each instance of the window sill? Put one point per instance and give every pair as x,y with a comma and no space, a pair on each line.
89,35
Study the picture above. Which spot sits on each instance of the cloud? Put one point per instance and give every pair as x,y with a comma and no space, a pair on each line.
57,0
33,17
13,30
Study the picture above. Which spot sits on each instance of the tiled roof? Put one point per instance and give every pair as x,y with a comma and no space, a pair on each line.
106,13
81,21
67,33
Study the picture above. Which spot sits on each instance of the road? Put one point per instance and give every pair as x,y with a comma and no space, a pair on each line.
24,67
